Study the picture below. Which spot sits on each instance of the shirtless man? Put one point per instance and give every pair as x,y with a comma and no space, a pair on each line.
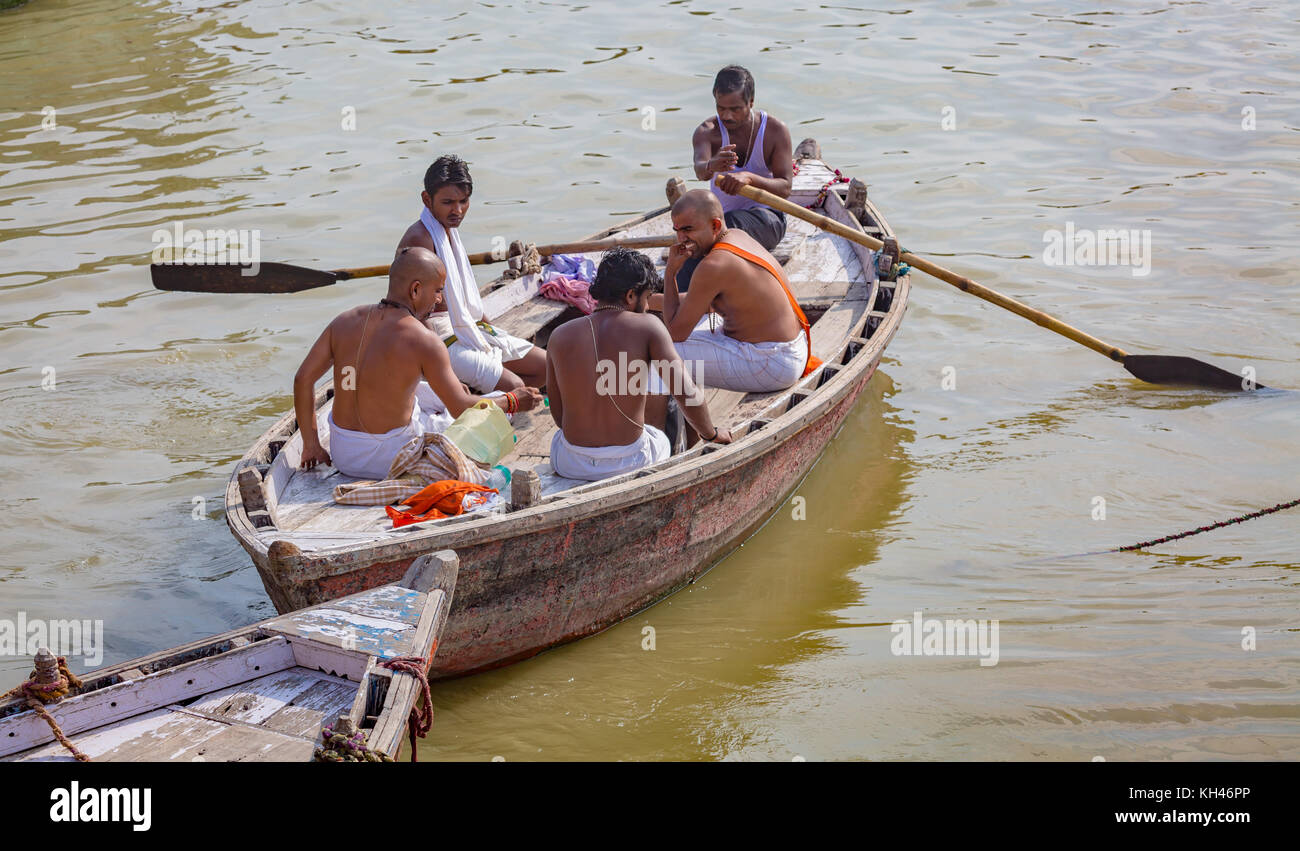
484,357
379,353
762,342
740,147
602,416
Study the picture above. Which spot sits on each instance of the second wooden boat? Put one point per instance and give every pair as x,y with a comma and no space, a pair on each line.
572,558
258,694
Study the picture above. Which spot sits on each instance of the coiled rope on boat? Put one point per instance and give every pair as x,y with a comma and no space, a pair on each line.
339,746
49,682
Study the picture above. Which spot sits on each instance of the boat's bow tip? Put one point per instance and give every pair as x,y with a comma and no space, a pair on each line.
435,570
280,552
808,149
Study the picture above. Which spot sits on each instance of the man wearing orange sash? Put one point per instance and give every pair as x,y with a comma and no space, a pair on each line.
739,318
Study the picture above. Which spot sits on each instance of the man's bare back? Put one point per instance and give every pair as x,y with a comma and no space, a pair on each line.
598,373
379,353
376,392
587,417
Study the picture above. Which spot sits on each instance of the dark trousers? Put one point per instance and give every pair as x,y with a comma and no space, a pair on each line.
765,225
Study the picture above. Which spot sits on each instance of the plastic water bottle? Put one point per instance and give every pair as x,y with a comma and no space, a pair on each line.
499,478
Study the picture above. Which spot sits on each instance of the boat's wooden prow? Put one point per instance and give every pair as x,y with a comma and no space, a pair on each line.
262,693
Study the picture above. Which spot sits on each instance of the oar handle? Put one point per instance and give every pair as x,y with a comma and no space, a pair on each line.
484,257
586,247
362,272
961,282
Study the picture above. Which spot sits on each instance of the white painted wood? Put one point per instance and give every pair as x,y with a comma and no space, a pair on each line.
498,302
330,660
332,627
257,700
159,735
127,699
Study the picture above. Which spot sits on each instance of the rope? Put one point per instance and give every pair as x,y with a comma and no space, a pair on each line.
38,694
528,262
421,718
821,196
336,747
1281,506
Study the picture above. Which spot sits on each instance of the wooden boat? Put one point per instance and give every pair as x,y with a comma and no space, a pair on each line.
257,694
567,559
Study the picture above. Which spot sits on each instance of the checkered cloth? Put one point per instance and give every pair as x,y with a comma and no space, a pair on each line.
426,459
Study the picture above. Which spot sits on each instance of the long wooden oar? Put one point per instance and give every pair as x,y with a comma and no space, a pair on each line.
1157,369
284,278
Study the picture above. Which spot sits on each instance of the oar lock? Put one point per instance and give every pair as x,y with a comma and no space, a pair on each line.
887,259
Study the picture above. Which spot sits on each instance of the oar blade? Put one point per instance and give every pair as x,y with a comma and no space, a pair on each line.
228,278
1185,372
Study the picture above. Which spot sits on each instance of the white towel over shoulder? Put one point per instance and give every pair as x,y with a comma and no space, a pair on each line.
464,307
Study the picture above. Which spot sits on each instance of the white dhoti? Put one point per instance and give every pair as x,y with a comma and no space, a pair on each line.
734,365
593,463
481,368
369,456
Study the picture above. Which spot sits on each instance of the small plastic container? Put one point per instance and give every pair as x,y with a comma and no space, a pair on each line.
482,432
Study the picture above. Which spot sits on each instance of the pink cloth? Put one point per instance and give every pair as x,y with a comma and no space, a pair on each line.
572,291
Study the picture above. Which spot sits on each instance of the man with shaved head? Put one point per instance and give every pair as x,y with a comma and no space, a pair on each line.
739,318
380,352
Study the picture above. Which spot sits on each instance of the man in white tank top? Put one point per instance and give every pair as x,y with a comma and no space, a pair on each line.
741,146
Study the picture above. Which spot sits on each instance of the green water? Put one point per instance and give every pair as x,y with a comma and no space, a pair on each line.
974,460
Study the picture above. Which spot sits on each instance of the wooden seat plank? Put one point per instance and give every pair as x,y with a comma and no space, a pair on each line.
256,700
317,706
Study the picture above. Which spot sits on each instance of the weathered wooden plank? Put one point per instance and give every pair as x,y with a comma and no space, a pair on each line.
331,626
392,725
255,701
330,660
401,692
535,440
391,602
365,683
239,743
131,698
526,319
835,209
309,711
156,736
499,302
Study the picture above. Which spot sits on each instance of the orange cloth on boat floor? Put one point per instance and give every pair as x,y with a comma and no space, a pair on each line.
438,500
813,362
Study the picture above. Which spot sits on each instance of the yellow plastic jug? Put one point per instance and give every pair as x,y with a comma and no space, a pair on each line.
482,432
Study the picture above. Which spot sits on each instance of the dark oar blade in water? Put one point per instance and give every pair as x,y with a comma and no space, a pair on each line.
1190,372
226,278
